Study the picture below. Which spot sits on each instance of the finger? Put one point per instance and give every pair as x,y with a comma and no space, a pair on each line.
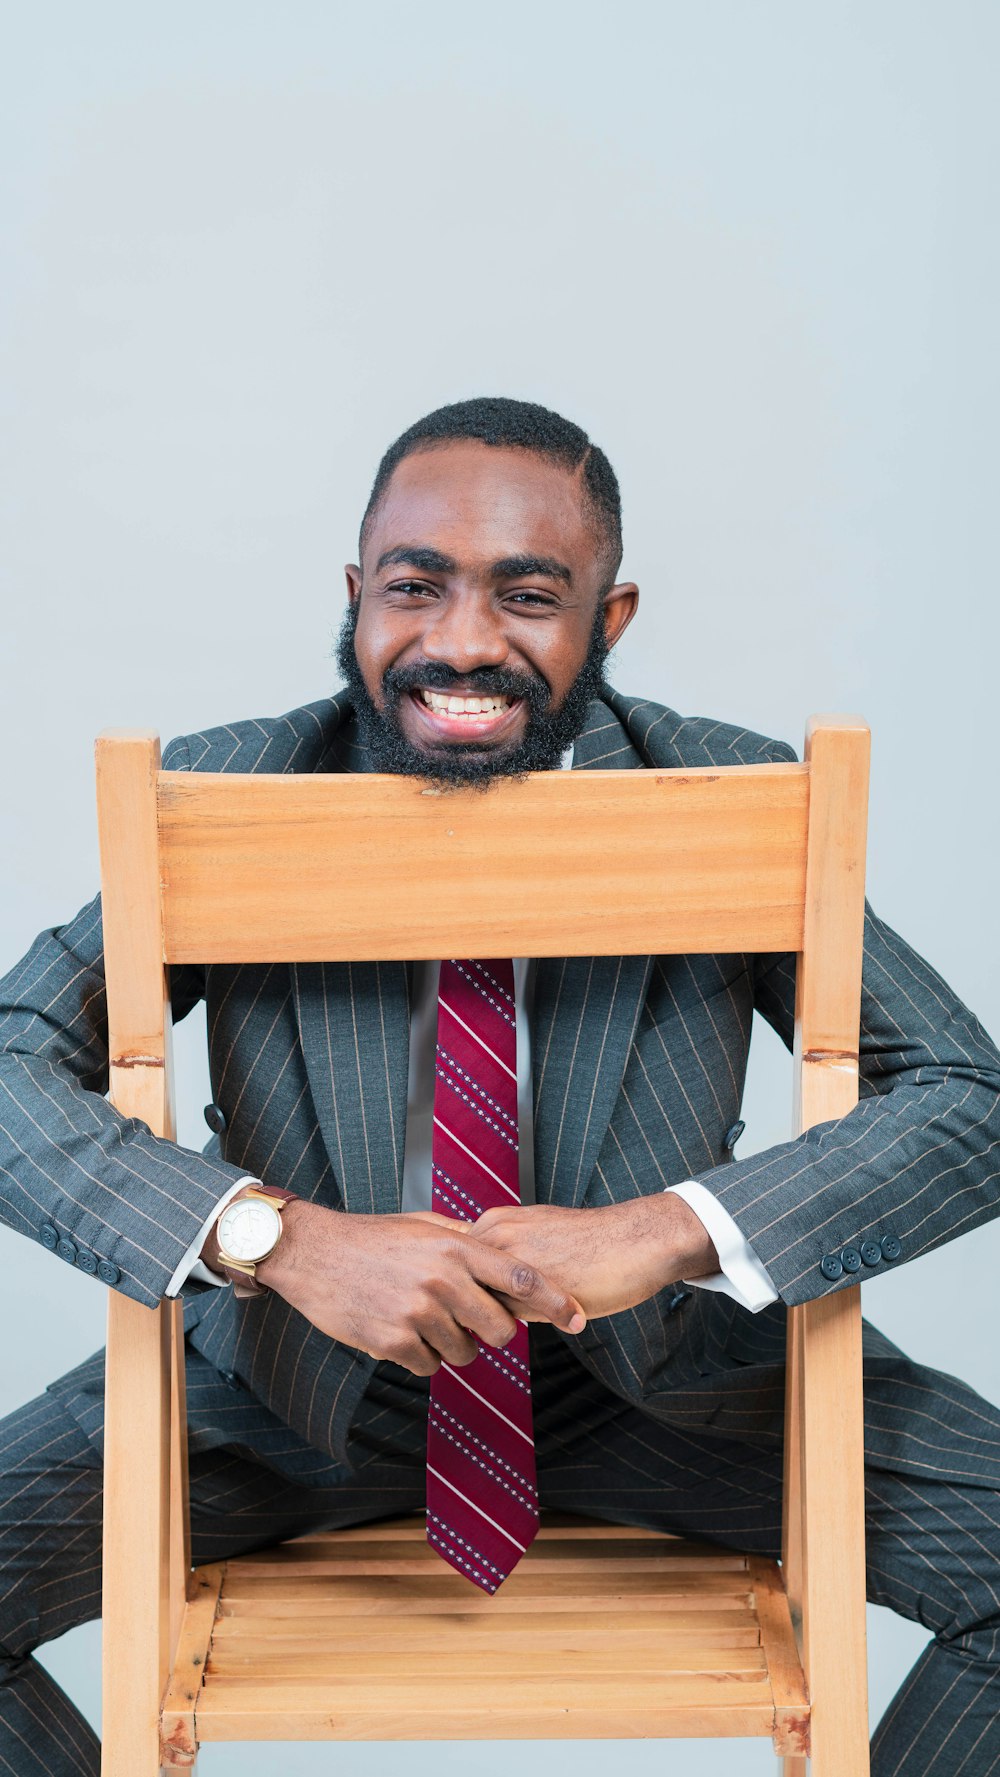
534,1296
447,1224
411,1353
489,1219
519,1310
454,1343
486,1317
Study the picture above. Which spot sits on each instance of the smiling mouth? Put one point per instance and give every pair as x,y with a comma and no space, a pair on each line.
443,704
452,714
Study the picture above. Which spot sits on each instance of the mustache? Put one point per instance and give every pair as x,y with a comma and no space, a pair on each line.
497,681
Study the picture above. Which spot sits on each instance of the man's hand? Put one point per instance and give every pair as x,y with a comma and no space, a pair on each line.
610,1258
413,1288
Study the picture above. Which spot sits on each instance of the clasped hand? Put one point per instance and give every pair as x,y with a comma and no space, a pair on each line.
424,1289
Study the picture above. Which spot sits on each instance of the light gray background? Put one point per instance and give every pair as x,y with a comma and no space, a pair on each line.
752,248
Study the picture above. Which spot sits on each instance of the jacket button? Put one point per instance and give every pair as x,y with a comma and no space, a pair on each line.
231,1379
67,1250
215,1117
891,1248
107,1272
48,1236
86,1262
733,1136
850,1258
831,1267
676,1299
871,1253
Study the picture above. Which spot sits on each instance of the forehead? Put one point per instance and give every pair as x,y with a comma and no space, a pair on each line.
478,502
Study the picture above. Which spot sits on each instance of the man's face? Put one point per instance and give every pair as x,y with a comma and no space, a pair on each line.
480,619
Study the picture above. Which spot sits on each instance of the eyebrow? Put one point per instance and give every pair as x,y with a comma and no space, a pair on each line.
509,567
416,555
518,567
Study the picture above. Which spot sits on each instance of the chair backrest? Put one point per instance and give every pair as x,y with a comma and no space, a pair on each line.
222,868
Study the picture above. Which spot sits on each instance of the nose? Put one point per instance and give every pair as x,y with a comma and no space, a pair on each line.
466,633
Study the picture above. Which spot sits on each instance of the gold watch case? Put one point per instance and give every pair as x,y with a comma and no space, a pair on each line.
242,1219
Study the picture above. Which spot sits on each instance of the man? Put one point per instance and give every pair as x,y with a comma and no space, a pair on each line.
479,619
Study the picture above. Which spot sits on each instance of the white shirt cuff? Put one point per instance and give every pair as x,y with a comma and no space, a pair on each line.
192,1266
741,1274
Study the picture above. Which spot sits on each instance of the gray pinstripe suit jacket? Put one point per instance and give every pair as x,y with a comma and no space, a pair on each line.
639,1065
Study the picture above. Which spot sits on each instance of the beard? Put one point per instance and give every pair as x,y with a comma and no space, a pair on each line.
547,735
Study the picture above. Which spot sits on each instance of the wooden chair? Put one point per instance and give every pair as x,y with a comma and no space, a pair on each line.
601,1631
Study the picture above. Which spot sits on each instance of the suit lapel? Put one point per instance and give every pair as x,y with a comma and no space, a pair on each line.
354,1025
585,1015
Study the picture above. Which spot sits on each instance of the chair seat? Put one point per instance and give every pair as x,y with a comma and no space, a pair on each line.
601,1631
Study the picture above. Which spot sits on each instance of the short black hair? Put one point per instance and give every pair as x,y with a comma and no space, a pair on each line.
524,425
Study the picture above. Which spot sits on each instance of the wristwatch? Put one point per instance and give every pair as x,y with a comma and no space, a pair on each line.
248,1230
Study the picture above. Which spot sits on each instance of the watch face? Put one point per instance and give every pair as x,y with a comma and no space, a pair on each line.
249,1229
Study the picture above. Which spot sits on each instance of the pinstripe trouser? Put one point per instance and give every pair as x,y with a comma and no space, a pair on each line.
933,1545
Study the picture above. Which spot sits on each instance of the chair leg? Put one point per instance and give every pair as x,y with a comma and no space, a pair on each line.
794,1767
136,1651
825,1567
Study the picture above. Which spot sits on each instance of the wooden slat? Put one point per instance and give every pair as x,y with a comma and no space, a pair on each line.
456,1629
544,1590
382,1563
647,1649
562,1544
178,1723
555,1556
546,1690
513,1660
555,1526
289,869
379,1717
784,1668
382,1598
730,1703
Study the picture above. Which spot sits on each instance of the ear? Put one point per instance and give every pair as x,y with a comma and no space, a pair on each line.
353,573
620,606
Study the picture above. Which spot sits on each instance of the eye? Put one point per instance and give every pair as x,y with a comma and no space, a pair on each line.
526,596
412,588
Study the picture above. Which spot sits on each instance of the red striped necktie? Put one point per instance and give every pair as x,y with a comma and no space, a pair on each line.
482,1498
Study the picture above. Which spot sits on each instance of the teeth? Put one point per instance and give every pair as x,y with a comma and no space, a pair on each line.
464,706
